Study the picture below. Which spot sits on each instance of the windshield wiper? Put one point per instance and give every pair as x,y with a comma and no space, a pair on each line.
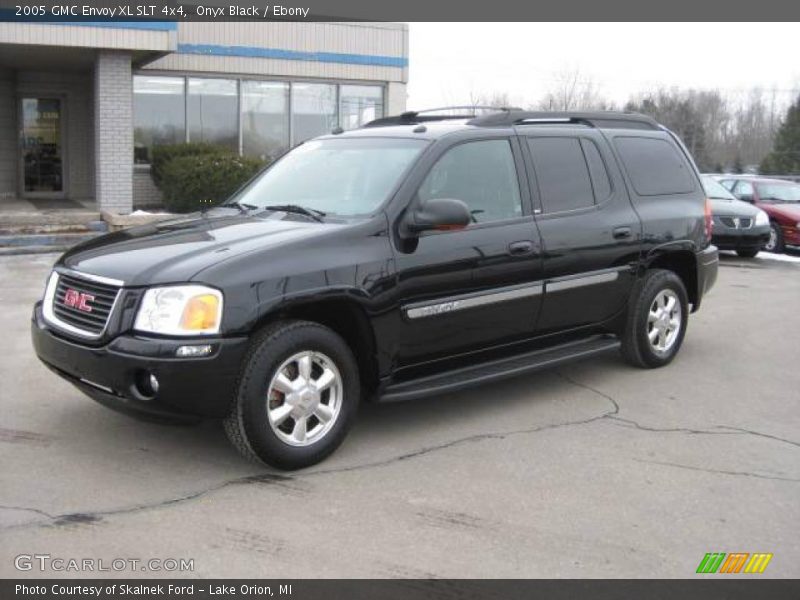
300,210
242,206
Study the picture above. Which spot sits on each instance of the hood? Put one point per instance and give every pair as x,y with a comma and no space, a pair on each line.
178,249
724,207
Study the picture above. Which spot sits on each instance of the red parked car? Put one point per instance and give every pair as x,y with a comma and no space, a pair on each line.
779,198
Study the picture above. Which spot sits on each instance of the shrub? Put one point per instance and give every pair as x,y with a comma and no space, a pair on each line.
161,155
197,181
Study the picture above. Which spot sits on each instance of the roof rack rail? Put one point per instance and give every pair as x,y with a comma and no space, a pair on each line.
412,117
599,119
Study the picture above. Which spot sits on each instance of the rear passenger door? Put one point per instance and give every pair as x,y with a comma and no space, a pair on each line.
591,235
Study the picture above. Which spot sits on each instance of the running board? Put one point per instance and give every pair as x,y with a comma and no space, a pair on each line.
464,377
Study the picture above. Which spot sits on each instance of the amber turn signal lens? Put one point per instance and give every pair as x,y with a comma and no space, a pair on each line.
201,313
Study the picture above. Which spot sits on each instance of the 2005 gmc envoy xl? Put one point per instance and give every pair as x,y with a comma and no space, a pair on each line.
417,255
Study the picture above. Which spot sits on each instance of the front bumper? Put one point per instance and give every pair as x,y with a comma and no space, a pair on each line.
189,388
729,238
707,267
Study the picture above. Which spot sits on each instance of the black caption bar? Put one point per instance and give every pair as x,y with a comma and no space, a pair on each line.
408,10
406,589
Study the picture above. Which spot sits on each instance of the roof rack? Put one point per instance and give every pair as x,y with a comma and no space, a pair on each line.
413,117
599,119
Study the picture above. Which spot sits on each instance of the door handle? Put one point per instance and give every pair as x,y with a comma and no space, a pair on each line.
520,248
621,233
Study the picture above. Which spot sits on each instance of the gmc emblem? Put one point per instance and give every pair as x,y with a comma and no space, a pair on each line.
79,300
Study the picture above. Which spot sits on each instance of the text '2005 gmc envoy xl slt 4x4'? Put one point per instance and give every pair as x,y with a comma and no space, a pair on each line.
417,255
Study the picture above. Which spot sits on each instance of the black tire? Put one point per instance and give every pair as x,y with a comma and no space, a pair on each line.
747,252
636,345
247,425
778,246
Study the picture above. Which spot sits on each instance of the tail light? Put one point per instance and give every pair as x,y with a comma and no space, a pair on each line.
709,222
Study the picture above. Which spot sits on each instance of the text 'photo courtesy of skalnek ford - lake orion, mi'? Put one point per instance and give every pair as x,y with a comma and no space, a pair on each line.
359,301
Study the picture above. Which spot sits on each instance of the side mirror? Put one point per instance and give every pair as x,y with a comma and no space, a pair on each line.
746,198
437,214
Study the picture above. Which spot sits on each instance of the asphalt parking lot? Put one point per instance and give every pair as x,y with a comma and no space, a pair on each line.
592,470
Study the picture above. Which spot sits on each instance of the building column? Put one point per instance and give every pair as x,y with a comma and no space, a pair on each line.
396,96
113,131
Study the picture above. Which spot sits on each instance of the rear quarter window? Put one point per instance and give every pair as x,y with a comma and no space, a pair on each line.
654,166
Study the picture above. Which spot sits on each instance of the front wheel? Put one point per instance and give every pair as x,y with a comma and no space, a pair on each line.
297,397
775,242
658,314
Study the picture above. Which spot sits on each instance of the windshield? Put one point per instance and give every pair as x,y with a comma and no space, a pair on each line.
346,176
716,190
779,192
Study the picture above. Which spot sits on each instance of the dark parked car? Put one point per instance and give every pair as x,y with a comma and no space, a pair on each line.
780,199
738,225
416,256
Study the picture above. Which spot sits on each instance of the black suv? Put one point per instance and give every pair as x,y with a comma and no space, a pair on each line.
418,255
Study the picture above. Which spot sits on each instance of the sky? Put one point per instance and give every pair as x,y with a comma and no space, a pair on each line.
451,62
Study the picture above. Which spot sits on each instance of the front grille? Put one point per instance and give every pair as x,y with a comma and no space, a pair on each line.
83,304
736,222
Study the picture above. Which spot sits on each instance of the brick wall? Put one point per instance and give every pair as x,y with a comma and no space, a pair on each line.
145,192
113,131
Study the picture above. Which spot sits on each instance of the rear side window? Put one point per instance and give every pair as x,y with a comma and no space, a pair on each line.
654,166
562,173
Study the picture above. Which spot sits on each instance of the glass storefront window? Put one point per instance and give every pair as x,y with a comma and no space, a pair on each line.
212,112
173,110
359,104
265,118
158,114
313,110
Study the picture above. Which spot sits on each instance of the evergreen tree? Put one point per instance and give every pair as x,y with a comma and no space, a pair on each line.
785,156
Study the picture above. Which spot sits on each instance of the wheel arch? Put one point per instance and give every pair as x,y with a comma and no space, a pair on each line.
346,317
682,261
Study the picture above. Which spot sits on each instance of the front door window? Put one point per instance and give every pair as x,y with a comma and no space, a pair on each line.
42,148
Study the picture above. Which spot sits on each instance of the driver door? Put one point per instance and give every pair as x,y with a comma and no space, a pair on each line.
467,289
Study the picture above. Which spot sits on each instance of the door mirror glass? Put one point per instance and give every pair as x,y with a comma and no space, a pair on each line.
439,214
745,197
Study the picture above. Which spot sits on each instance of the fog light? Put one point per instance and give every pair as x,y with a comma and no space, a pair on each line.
191,351
146,385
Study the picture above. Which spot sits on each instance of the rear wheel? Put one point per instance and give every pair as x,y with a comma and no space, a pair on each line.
747,252
297,396
775,242
657,319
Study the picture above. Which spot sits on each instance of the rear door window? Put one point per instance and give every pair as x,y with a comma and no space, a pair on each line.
654,166
562,173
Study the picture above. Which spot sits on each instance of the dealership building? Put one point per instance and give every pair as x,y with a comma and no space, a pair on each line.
82,105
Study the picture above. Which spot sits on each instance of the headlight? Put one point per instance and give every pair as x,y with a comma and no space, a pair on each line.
762,218
180,310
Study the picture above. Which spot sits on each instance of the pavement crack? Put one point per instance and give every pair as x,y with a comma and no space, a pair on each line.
718,471
27,509
714,430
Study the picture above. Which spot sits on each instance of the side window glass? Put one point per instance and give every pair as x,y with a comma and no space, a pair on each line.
744,188
562,173
482,174
597,169
655,166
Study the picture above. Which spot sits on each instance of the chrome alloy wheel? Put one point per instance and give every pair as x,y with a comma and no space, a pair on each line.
664,321
772,242
304,398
